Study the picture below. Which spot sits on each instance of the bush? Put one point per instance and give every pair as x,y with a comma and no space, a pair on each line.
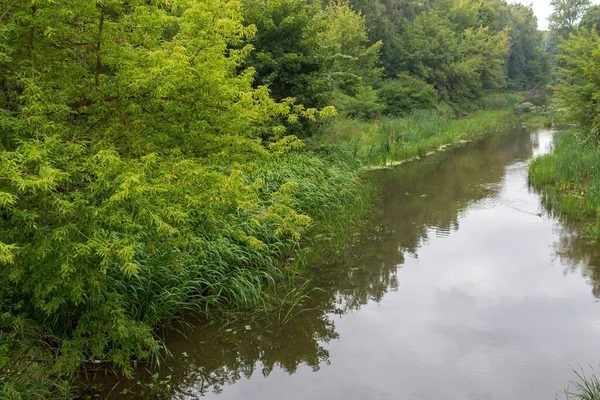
405,94
500,101
123,209
363,106
538,98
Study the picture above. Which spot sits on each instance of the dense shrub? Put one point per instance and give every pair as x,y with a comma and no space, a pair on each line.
401,96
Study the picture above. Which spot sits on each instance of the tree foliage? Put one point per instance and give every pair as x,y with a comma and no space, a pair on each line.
460,66
289,58
406,93
591,18
130,129
579,84
528,65
355,63
565,14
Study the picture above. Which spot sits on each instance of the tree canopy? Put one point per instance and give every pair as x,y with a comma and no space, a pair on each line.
565,14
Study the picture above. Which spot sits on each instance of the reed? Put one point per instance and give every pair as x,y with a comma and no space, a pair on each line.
585,387
569,178
390,140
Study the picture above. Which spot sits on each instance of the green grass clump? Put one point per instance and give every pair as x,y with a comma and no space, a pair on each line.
569,178
542,170
400,139
586,387
25,372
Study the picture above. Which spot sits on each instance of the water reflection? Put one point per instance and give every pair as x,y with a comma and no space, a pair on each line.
574,252
451,293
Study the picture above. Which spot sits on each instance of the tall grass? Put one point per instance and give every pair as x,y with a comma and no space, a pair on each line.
305,202
586,387
25,369
226,272
391,140
569,178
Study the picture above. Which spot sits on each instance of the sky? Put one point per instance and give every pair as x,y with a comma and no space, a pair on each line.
542,10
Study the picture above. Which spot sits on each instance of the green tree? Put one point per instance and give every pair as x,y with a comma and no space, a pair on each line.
579,88
460,66
591,18
406,93
429,47
465,14
354,68
486,51
386,21
528,65
288,56
565,14
346,40
129,128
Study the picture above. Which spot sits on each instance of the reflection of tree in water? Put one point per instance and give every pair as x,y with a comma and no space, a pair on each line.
574,250
417,199
439,189
206,359
224,358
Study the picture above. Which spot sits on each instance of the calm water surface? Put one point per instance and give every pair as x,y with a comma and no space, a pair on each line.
464,287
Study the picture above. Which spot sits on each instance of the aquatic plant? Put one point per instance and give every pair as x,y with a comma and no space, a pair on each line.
585,387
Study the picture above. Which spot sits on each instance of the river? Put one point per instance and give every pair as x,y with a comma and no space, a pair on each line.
463,287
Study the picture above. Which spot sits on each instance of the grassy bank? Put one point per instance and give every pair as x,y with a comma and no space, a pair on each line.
393,140
250,241
569,178
249,234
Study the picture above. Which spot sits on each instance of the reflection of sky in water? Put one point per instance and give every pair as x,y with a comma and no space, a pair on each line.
465,288
483,310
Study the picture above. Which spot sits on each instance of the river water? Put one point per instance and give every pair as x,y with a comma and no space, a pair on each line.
463,287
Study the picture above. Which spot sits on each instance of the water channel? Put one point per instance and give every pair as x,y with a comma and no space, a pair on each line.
463,287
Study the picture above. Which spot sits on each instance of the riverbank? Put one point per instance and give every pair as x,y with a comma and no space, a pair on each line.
262,226
390,141
569,178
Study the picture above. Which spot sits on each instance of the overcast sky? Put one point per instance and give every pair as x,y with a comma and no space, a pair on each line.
543,9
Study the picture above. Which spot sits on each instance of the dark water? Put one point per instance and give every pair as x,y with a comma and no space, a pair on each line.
464,287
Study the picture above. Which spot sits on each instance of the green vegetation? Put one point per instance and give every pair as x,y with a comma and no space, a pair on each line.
586,387
416,135
165,158
567,177
566,14
570,176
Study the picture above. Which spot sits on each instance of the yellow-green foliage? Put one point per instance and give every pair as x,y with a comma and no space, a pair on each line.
128,172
